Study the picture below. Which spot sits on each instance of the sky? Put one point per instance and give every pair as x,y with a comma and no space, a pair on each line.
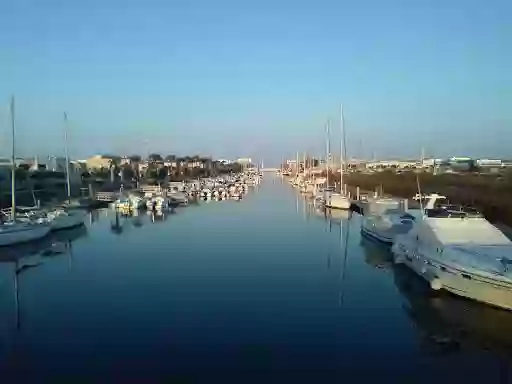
235,78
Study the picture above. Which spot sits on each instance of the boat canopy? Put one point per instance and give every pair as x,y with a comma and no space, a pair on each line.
450,231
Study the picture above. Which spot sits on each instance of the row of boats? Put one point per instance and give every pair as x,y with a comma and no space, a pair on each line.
34,223
178,194
322,194
451,247
26,224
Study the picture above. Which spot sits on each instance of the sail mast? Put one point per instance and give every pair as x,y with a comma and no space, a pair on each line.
327,153
342,146
68,183
13,159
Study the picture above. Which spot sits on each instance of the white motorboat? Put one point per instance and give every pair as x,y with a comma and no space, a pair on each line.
384,219
178,198
131,202
64,219
459,251
337,201
156,203
206,193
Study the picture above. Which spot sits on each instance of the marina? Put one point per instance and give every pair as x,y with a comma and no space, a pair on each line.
269,286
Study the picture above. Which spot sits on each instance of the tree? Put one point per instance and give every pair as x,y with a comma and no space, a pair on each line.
155,157
135,158
128,173
170,157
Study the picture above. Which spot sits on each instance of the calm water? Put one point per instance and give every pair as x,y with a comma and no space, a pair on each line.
261,290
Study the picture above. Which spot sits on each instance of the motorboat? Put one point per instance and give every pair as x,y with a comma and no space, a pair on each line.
156,203
178,198
132,201
337,201
384,219
458,250
65,219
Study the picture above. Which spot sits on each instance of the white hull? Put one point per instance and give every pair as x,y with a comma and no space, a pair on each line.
337,202
452,279
178,198
22,233
69,220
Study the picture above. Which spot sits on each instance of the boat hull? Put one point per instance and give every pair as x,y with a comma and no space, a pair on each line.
461,283
22,234
376,236
66,222
338,202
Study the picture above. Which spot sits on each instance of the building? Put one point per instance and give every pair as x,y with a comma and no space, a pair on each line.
125,160
461,163
98,162
244,161
489,163
56,164
393,164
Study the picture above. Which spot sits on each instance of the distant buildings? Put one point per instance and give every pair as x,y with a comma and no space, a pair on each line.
98,162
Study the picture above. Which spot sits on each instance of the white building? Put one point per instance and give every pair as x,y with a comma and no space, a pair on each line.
489,163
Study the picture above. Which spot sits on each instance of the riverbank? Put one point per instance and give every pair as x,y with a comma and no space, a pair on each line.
490,194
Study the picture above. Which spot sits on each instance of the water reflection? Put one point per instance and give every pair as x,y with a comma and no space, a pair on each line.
445,323
25,257
376,255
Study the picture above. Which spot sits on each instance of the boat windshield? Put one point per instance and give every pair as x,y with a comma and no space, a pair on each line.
452,211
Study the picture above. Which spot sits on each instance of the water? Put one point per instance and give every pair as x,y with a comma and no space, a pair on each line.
262,290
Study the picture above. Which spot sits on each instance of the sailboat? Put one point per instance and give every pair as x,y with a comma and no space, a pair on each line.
322,194
12,231
60,217
340,200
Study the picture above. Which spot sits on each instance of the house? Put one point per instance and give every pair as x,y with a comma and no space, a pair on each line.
99,162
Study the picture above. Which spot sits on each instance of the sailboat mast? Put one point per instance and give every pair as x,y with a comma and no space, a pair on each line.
342,146
304,159
297,164
327,150
13,159
68,183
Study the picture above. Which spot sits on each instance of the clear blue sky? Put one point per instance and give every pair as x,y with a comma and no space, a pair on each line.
259,78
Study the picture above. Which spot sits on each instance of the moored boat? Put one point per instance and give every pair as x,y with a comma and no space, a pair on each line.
459,251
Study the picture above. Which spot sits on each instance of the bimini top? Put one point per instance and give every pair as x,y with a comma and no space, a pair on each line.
465,231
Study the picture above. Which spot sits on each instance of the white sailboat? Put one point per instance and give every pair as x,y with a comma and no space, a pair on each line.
62,218
13,232
340,200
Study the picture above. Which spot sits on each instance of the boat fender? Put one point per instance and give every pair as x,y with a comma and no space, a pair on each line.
433,280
